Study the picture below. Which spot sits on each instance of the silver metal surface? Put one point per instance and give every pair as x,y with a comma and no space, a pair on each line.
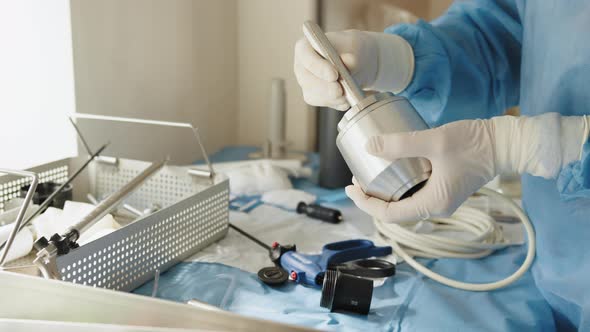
130,209
35,299
156,283
128,257
192,212
108,160
23,208
203,305
162,124
46,262
381,178
368,116
321,43
199,172
113,200
49,199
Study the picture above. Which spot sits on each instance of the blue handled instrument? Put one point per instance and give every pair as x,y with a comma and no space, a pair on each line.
340,270
351,257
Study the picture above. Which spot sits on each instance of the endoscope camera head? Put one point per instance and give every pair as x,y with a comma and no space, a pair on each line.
368,116
345,292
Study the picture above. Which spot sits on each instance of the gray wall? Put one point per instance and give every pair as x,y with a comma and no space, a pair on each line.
159,59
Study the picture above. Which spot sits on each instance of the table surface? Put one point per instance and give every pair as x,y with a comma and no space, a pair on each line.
224,275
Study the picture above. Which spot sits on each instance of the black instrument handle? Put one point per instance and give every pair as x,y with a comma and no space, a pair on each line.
368,268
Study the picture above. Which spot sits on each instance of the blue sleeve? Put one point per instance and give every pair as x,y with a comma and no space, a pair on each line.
574,180
467,62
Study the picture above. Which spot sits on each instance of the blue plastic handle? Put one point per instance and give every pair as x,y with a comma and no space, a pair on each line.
346,251
309,267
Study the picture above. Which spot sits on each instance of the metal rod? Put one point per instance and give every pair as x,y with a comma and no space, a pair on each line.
156,282
132,210
115,198
86,146
257,241
21,212
126,207
49,199
322,45
92,199
199,172
198,137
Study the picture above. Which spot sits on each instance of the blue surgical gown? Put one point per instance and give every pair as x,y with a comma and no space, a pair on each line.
482,57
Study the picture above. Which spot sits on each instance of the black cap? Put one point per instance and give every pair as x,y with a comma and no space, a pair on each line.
348,293
273,275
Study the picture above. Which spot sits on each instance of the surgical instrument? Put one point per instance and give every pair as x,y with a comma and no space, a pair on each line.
352,255
49,199
62,244
316,211
368,116
128,207
341,270
255,240
113,200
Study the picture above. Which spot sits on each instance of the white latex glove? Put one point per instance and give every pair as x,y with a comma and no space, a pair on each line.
377,61
465,155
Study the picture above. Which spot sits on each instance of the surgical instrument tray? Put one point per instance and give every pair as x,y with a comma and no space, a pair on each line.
194,213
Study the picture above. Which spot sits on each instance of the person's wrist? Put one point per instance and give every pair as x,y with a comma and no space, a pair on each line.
501,129
395,62
573,136
540,145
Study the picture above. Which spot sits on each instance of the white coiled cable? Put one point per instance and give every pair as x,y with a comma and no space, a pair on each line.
487,234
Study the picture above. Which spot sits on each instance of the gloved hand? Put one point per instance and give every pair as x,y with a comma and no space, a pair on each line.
465,155
377,61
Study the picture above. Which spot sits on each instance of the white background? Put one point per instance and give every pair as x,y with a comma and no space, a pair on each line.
36,82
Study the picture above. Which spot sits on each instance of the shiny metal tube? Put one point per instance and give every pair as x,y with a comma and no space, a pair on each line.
321,43
115,199
381,178
368,116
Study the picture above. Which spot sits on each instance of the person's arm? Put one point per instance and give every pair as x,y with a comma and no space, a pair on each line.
467,62
547,146
573,180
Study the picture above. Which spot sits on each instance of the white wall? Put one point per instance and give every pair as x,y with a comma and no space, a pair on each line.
173,60
267,32
201,61
36,83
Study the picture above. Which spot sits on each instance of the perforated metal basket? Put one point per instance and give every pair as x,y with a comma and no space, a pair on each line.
194,213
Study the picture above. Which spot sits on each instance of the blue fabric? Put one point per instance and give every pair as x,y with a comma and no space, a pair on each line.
484,56
237,153
406,302
574,181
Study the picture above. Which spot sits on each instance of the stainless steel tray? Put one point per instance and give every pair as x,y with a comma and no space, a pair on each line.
194,213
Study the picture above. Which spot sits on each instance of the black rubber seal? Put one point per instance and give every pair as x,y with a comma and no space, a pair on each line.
273,275
413,190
